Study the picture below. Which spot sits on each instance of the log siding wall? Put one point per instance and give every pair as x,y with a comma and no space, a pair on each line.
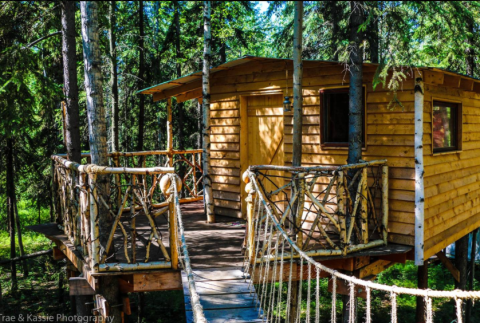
390,133
452,180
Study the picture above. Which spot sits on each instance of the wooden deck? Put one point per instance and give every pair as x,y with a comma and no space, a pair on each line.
217,260
225,294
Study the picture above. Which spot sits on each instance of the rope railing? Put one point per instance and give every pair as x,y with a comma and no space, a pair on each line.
275,247
184,258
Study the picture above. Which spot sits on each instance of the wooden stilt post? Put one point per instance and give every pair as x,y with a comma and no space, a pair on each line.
422,284
169,132
468,312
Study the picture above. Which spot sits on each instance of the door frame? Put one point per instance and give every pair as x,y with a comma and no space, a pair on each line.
244,142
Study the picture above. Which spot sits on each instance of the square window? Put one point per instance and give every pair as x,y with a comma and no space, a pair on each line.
446,126
334,117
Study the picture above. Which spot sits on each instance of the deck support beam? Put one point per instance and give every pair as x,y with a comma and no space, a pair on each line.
422,284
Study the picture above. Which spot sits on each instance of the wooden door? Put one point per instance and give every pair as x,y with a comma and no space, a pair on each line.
266,133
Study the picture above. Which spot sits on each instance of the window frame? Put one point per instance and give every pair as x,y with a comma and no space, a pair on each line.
458,123
323,128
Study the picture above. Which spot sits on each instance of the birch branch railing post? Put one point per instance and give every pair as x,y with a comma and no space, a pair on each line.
329,207
78,196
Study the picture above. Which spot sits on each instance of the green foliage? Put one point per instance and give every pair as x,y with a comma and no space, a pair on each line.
410,33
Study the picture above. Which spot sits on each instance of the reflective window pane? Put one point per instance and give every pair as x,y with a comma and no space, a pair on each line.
444,126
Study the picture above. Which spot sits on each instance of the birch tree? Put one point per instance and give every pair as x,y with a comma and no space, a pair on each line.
207,181
97,128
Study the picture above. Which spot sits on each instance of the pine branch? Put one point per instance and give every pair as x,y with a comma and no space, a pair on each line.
42,38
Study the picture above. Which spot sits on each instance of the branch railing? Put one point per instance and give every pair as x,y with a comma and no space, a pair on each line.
274,249
330,210
117,216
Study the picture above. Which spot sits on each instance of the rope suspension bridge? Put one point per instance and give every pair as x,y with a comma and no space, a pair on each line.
296,217
274,245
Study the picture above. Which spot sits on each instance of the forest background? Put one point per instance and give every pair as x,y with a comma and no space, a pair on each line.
158,41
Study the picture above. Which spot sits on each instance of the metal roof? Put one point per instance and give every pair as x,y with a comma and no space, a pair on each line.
181,81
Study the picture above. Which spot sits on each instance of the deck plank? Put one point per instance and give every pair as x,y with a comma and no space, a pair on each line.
238,315
225,294
210,302
221,273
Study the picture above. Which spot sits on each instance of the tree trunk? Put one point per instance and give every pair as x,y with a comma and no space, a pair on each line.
140,307
333,15
141,105
461,262
178,54
199,125
19,236
297,84
207,54
372,33
72,116
422,276
355,131
470,59
11,211
297,128
98,136
113,77
223,44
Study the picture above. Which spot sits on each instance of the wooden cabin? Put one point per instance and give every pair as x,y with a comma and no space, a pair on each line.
250,127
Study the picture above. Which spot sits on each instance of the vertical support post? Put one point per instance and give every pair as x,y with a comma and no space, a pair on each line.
300,207
364,206
169,132
473,252
94,230
133,226
385,203
422,276
419,172
194,174
54,205
249,189
117,181
172,219
341,203
83,215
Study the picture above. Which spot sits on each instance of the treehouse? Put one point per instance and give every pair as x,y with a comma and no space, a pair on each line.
249,126
415,191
